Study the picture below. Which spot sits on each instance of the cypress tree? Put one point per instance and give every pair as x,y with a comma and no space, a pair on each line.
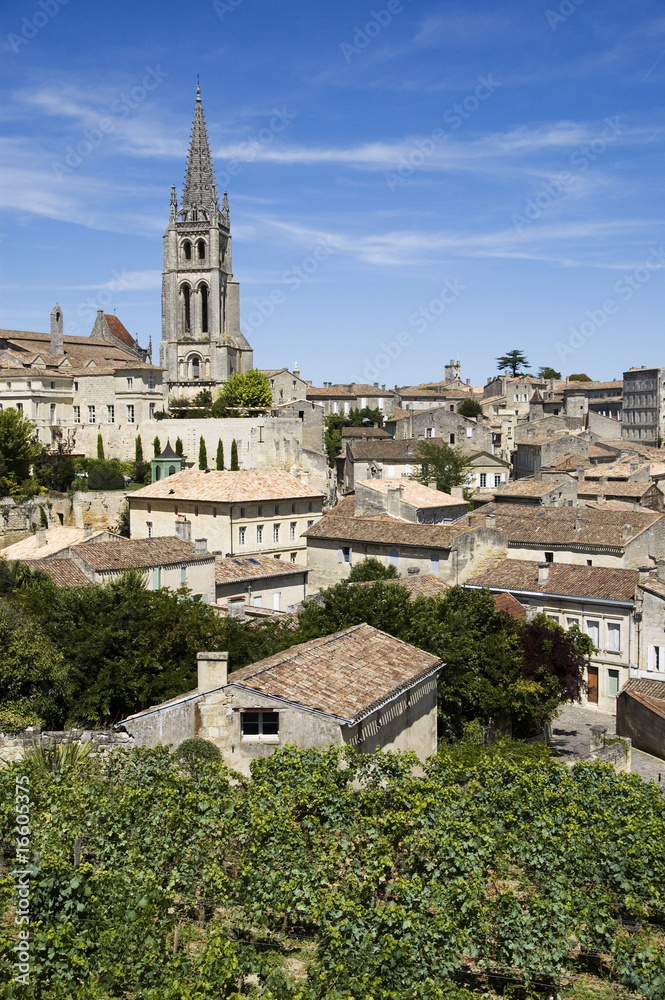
100,446
157,447
178,447
220,454
203,454
138,457
234,456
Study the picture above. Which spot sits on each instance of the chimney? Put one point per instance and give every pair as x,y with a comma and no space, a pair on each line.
580,473
636,507
468,381
431,484
87,530
201,546
490,521
661,570
457,492
578,522
634,466
393,500
644,573
213,671
626,532
40,535
600,499
57,341
235,607
543,574
183,529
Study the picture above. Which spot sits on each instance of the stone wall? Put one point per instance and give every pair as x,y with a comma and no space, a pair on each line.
14,747
641,722
100,508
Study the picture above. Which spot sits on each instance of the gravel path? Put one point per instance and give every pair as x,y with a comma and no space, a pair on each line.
573,725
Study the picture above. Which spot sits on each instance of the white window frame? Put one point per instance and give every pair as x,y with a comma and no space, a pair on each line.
259,533
130,413
614,630
275,532
92,416
110,414
77,414
292,530
242,531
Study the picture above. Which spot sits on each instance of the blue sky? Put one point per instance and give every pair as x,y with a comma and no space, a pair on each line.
420,180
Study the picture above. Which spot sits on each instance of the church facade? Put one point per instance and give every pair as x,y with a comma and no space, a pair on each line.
201,339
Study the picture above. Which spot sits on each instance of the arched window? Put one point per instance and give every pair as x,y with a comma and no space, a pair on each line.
158,473
196,366
187,250
171,470
201,250
203,289
187,308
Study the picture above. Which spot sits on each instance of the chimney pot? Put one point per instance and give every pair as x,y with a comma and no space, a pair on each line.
213,670
543,574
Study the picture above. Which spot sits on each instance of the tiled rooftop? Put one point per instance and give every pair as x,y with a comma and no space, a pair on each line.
530,488
386,530
256,567
55,540
139,553
556,525
414,494
63,572
228,487
384,450
347,674
598,582
616,489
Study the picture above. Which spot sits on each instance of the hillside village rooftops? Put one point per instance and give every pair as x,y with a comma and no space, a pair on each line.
77,350
360,433
63,572
347,675
139,553
591,386
564,579
570,526
388,530
530,488
46,543
255,567
620,488
228,487
384,449
414,494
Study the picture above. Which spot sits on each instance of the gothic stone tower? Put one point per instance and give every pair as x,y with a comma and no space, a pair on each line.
201,340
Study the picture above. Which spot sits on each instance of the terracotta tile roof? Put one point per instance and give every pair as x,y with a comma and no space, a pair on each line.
556,525
510,605
591,386
399,413
384,450
55,540
254,568
118,330
269,372
654,689
345,508
63,572
539,439
424,586
358,433
414,494
139,553
228,487
654,586
339,391
387,530
567,579
348,674
530,488
595,488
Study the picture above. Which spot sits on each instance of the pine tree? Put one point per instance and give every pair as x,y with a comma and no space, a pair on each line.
157,447
138,456
100,446
234,456
203,454
220,455
178,447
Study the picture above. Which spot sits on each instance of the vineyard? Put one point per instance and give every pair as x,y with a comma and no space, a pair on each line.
331,874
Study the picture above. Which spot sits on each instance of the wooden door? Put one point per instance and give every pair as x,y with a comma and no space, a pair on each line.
592,694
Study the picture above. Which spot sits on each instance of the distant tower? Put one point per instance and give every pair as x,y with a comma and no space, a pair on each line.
201,340
453,371
57,341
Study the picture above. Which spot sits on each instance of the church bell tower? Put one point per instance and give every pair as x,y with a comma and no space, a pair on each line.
201,340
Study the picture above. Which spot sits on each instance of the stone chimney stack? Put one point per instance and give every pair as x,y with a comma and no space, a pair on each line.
235,607
40,537
457,492
626,532
543,574
394,500
431,484
661,571
87,530
644,573
213,671
578,522
183,529
57,339
580,473
490,521
201,546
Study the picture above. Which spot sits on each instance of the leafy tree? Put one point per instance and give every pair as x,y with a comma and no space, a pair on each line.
220,455
33,678
105,474
440,463
203,399
235,467
178,447
579,378
18,446
334,423
548,373
43,517
156,447
470,408
243,389
56,469
372,569
122,524
513,361
203,454
100,446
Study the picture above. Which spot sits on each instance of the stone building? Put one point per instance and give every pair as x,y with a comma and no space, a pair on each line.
360,687
643,410
259,581
201,339
285,385
353,396
239,513
471,434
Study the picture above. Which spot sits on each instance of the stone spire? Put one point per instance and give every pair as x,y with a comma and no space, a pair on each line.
199,193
